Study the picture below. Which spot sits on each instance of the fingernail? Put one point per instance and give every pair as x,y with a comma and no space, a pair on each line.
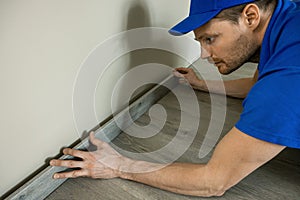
56,176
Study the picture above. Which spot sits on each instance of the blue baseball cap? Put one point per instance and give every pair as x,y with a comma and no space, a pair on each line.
201,11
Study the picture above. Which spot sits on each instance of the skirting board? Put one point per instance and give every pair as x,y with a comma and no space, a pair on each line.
41,185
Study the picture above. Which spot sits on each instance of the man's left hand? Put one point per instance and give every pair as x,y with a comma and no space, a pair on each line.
104,163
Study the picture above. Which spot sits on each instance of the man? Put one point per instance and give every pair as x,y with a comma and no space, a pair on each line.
231,32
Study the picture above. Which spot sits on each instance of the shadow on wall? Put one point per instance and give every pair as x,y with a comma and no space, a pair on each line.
139,16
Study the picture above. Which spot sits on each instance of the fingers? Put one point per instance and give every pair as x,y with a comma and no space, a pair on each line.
87,164
75,153
183,81
71,174
182,69
70,163
177,74
66,163
95,141
181,72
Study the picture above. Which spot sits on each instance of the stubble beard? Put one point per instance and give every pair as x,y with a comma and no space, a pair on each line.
242,52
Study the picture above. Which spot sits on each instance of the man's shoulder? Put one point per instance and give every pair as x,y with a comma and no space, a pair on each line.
277,85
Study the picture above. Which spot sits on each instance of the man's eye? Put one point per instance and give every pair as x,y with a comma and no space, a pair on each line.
209,40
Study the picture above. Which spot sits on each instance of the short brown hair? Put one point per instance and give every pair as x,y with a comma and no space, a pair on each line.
233,14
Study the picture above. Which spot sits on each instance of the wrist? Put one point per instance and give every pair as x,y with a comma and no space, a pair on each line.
125,168
131,168
199,84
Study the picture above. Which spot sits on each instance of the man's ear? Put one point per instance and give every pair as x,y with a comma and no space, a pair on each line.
251,16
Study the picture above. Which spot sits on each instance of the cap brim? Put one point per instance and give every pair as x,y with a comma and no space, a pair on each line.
192,22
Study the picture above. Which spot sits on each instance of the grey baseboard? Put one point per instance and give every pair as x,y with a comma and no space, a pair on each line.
42,184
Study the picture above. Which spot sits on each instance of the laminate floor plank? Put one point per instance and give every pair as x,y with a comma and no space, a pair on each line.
278,179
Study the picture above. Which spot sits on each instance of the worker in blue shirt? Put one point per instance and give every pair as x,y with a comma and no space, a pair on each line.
231,33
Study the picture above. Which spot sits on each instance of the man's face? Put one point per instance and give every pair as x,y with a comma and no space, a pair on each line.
227,45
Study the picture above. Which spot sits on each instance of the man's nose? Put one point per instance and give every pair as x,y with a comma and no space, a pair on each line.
205,53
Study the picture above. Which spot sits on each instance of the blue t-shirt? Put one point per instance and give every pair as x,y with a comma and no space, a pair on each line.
272,108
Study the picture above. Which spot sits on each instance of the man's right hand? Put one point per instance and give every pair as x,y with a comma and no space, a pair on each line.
188,76
237,88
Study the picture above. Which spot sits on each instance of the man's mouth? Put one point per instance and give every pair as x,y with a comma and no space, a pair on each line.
212,61
215,63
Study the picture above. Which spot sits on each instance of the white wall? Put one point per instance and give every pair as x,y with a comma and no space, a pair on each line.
42,44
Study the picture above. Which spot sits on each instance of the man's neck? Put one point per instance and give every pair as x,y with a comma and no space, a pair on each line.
256,57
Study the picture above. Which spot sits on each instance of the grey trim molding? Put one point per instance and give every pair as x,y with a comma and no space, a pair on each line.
41,185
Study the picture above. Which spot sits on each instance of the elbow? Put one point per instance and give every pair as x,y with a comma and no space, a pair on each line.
216,185
216,190
211,189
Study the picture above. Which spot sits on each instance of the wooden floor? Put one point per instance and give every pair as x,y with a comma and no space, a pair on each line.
278,179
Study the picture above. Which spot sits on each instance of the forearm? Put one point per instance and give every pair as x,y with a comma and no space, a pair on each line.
234,158
238,88
183,178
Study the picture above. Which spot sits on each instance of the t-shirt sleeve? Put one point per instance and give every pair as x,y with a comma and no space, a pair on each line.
272,110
